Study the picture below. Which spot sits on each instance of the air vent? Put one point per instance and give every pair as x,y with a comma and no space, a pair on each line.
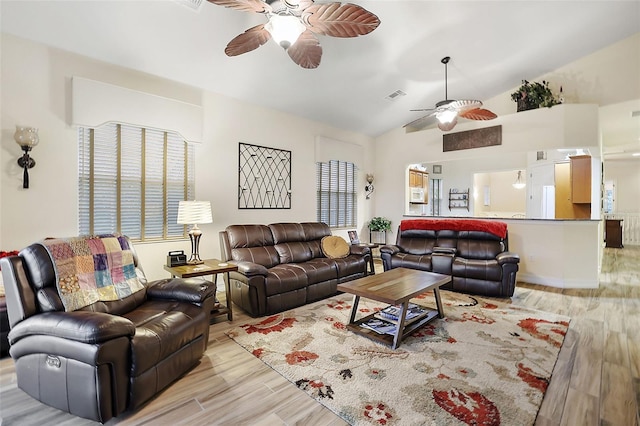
192,4
395,95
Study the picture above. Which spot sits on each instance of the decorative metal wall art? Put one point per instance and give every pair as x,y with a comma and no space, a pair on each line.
469,139
264,177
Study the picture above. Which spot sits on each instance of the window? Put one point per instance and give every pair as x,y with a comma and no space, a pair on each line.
337,196
131,180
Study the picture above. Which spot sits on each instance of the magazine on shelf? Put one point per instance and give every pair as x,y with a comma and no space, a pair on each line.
392,312
380,326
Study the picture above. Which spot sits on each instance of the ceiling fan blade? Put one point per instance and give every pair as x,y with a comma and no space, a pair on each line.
464,105
445,127
257,6
340,20
421,123
478,114
306,51
248,41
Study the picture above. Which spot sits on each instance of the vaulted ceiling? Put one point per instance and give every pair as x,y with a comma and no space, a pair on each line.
493,45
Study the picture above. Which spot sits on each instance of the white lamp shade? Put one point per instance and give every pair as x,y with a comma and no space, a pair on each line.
194,212
285,29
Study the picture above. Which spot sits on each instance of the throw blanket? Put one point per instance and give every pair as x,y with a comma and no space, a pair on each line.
496,228
92,268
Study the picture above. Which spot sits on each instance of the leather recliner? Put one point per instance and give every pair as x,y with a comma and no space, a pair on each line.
108,357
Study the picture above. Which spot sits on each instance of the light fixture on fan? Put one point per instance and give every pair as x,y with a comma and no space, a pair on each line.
304,19
519,184
446,112
285,29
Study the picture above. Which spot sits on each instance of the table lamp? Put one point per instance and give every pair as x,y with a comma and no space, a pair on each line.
194,213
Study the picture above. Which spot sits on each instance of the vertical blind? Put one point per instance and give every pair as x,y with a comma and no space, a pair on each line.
131,180
336,193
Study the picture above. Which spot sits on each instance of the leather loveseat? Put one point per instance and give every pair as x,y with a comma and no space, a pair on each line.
107,357
282,266
474,252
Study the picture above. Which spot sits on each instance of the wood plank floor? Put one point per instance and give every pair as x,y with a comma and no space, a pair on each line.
596,380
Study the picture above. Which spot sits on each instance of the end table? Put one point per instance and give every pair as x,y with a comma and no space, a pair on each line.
209,267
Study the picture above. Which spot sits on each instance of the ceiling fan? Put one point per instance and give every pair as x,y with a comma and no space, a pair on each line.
446,112
293,24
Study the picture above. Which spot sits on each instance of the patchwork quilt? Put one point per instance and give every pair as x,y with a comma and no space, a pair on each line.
93,268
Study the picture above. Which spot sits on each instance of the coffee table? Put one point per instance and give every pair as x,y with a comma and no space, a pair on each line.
396,287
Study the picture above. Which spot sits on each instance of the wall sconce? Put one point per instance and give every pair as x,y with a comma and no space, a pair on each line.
27,138
519,184
369,187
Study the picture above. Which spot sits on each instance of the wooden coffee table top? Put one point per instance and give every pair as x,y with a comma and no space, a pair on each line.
395,286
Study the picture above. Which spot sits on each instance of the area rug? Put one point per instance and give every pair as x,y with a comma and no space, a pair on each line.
486,363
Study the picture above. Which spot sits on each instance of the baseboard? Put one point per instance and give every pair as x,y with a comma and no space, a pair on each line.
556,282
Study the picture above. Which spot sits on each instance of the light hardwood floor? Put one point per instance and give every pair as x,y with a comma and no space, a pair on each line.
596,380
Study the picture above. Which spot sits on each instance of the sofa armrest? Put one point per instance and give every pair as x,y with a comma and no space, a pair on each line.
390,249
250,269
181,289
507,257
359,250
442,261
80,326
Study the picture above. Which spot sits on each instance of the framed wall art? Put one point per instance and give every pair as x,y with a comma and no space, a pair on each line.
264,177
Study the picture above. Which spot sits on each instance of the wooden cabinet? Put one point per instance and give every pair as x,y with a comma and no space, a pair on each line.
418,179
613,233
564,207
458,199
580,179
418,187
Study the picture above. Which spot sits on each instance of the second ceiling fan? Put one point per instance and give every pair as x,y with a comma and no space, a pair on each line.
446,112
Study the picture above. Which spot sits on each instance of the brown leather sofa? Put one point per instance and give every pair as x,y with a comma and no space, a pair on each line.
474,252
108,357
282,266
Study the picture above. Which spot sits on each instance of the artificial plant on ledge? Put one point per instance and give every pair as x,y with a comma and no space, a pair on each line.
532,95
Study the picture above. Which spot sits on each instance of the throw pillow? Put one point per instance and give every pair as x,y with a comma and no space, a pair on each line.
335,247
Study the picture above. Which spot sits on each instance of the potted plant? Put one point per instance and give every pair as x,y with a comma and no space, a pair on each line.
379,224
532,95
378,227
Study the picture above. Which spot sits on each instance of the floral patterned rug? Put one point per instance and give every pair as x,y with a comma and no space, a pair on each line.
486,363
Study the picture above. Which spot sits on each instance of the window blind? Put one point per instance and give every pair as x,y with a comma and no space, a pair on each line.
336,193
131,180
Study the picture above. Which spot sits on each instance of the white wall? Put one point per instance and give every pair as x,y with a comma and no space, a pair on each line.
625,175
36,91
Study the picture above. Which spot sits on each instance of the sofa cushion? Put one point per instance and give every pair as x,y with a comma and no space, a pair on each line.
284,278
315,230
162,328
319,270
479,245
413,261
351,266
487,270
335,247
245,236
293,252
287,232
